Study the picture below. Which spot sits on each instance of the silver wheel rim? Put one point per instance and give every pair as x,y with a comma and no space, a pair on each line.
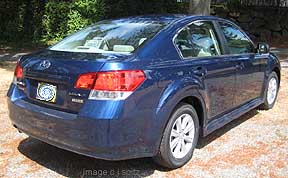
182,136
272,90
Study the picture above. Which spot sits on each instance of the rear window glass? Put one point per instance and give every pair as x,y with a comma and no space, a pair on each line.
117,36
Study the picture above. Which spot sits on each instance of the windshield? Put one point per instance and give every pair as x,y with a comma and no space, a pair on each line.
116,36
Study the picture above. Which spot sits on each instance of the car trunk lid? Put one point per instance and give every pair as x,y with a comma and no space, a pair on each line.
57,72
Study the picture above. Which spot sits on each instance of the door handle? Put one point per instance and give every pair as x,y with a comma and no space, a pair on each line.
239,66
200,71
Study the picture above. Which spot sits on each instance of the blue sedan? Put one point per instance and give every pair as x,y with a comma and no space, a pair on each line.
146,86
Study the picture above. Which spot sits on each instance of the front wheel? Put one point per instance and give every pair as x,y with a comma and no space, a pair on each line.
180,137
271,92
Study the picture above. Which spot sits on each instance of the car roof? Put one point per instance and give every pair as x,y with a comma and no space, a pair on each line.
168,18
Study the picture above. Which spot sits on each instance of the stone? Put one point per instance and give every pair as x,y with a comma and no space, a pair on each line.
257,13
286,26
234,14
285,33
283,12
244,26
284,22
271,16
255,23
265,35
222,15
255,31
244,18
273,26
276,36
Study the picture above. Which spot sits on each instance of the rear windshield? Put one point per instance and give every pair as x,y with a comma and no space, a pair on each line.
116,36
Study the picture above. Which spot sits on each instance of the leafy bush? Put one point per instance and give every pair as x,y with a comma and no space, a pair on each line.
51,20
20,20
234,5
63,18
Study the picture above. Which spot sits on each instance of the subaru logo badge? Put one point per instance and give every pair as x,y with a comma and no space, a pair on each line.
45,64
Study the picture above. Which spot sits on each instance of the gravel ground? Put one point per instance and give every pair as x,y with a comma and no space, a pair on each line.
255,145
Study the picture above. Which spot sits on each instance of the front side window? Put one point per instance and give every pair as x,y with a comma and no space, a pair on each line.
198,40
116,36
237,42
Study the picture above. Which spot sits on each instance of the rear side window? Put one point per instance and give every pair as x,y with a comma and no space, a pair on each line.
198,40
237,42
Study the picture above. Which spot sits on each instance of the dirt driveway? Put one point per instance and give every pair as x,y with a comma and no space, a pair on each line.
255,145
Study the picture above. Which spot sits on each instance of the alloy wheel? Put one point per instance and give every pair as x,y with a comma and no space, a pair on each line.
182,136
272,90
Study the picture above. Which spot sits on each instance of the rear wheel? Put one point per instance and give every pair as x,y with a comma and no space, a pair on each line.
180,137
271,92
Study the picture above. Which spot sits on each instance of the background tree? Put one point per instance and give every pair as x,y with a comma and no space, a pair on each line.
199,7
48,21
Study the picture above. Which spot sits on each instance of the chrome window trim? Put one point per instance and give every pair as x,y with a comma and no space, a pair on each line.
205,57
173,41
186,27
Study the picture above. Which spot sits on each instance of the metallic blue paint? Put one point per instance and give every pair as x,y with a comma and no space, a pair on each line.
133,128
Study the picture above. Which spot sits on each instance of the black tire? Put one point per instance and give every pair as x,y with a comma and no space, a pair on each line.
266,105
165,157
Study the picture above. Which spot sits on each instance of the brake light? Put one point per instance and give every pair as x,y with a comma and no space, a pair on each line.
115,85
86,81
18,73
119,80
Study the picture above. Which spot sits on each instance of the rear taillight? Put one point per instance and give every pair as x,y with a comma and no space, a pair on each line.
86,81
18,73
119,80
112,85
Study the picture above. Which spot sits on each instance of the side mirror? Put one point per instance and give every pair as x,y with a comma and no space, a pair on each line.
263,48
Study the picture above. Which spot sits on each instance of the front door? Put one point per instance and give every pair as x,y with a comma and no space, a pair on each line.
250,68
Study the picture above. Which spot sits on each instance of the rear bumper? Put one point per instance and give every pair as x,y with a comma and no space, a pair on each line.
111,139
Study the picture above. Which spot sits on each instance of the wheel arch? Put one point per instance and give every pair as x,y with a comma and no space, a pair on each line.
197,105
185,90
277,71
194,100
274,66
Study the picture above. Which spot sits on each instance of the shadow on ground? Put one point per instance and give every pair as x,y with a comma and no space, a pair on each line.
218,133
70,164
74,165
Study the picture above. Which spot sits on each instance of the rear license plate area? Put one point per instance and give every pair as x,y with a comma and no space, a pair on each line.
46,92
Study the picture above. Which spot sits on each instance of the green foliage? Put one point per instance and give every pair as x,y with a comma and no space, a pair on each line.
233,5
51,20
55,20
20,20
63,18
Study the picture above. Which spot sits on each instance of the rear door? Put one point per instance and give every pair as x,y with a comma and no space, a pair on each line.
250,68
203,57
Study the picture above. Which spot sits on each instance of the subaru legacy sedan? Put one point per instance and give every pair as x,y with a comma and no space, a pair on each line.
146,86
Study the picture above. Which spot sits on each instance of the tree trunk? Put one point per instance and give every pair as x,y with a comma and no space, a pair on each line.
28,19
199,7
